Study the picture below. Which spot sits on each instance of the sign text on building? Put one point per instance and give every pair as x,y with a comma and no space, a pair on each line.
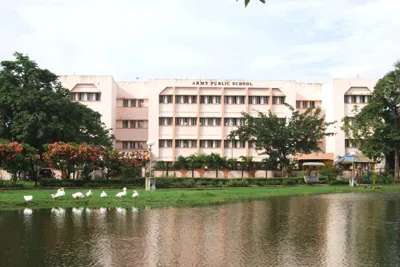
222,83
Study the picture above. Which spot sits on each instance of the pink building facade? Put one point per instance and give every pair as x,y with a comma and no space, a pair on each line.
185,116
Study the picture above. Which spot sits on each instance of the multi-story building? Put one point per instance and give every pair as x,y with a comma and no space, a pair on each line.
185,117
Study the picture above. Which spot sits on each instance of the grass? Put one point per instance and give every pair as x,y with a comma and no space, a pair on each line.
13,199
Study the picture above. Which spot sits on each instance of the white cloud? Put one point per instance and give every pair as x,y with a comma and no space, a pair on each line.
292,39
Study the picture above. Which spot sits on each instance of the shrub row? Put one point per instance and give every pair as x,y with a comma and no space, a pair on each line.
11,186
176,182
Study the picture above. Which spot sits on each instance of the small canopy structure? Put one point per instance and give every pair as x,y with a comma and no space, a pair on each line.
310,167
353,157
357,160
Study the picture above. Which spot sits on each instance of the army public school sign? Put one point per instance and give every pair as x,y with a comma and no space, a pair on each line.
222,83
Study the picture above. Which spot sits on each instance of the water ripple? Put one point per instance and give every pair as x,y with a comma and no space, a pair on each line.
326,230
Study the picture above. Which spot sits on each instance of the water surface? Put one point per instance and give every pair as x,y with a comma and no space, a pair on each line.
325,230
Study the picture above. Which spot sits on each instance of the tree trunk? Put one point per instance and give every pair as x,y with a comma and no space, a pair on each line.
216,173
396,165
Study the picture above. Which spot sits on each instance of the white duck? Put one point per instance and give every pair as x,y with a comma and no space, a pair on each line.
135,194
28,199
89,193
28,211
78,195
122,194
61,192
56,195
103,194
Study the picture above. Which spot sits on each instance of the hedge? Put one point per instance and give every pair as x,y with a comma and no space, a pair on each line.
175,182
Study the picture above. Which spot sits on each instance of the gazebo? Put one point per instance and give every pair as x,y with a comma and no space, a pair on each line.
357,161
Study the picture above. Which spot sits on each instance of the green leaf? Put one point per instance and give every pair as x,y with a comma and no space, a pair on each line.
246,2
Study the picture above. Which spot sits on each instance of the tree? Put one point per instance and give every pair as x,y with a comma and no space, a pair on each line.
110,162
215,161
246,2
35,108
376,127
62,156
89,158
279,139
17,158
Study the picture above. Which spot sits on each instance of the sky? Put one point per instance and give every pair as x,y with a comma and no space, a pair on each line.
303,40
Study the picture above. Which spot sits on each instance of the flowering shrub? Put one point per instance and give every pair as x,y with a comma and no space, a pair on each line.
68,156
18,158
62,156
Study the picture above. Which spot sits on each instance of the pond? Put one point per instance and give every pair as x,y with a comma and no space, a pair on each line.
324,230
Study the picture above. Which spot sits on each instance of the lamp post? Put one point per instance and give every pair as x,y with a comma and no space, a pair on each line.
150,143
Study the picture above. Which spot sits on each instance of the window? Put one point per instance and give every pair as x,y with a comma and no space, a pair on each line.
348,143
266,100
362,99
217,100
90,96
125,145
165,143
210,143
304,104
298,104
282,120
165,121
125,103
98,96
233,121
210,121
165,99
186,99
202,99
133,102
312,104
186,121
346,99
186,143
72,96
134,124
80,96
353,99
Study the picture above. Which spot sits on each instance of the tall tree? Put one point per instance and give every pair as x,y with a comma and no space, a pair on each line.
246,2
279,139
376,127
35,108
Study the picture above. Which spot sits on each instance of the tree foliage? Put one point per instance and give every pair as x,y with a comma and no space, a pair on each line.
280,139
35,108
376,127
246,2
68,157
18,158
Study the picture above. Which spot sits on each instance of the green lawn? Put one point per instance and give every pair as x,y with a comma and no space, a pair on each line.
13,199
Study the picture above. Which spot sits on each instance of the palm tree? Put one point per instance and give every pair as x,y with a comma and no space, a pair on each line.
215,161
247,163
181,163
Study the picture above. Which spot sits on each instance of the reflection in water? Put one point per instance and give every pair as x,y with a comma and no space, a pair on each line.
326,230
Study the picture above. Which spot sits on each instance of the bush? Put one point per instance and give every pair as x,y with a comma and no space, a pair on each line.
384,179
175,182
11,186
338,182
